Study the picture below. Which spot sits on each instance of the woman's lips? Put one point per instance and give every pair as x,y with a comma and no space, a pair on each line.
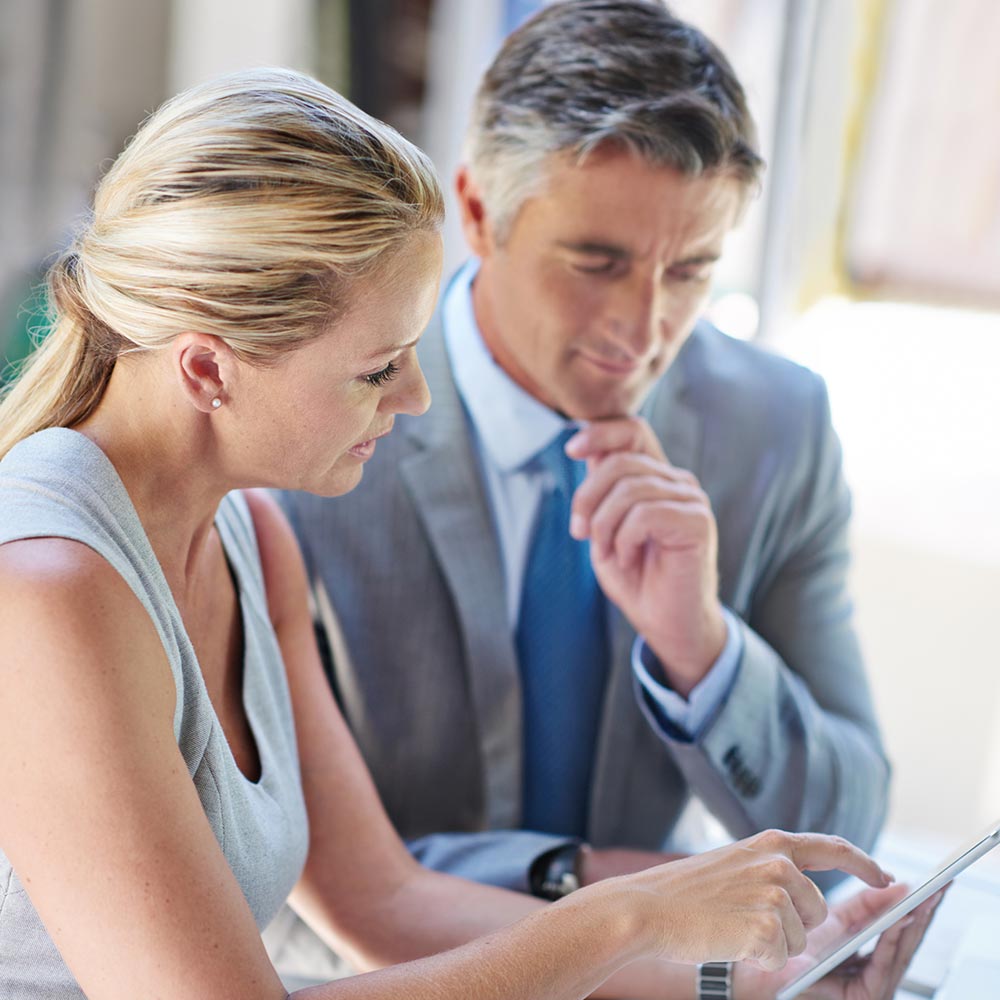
365,449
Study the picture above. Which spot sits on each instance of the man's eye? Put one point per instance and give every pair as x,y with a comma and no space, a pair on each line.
605,267
387,374
688,276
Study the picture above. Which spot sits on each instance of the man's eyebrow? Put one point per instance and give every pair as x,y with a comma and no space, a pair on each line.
597,249
620,253
697,260
394,349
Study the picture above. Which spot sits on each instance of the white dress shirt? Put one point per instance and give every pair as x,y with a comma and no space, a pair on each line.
509,429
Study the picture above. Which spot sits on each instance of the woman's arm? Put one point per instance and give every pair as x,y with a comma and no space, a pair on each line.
107,834
105,830
99,816
366,896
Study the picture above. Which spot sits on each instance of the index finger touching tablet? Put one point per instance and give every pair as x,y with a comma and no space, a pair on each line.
819,852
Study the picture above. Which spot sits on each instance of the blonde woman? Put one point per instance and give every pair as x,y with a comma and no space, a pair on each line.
241,311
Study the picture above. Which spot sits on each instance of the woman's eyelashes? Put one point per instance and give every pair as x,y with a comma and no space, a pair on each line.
386,374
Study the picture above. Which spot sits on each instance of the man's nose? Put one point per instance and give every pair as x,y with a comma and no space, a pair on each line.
640,313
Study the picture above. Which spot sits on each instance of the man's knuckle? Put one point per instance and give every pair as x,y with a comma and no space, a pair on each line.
628,489
841,845
778,870
773,840
702,516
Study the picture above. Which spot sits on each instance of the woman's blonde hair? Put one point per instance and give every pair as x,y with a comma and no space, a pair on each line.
243,208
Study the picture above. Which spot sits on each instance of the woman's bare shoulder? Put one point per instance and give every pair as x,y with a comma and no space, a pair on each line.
70,621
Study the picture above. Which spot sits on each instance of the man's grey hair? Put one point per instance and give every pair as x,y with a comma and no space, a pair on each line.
583,74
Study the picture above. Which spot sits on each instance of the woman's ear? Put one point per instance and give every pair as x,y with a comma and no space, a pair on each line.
205,365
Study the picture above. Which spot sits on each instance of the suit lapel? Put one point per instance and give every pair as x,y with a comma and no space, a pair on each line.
442,477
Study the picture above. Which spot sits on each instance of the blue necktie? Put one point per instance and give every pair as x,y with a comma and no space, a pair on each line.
562,651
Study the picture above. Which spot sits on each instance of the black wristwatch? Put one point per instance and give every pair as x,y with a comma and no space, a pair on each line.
715,981
556,873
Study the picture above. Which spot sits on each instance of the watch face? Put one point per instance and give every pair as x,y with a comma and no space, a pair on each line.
569,883
560,875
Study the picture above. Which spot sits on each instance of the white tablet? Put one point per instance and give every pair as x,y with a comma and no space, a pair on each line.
842,949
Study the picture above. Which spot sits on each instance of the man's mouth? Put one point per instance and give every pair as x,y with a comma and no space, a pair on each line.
619,365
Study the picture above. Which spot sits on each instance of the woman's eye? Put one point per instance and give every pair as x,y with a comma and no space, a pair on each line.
387,374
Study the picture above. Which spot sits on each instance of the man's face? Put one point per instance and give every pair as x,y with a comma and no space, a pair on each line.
601,278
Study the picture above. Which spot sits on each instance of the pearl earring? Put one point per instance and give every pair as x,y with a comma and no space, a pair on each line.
216,403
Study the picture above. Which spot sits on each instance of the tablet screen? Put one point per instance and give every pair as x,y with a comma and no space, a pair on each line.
840,949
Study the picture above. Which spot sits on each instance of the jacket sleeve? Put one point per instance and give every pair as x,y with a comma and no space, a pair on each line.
498,857
796,743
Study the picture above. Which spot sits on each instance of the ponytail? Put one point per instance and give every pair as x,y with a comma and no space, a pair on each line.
245,208
63,379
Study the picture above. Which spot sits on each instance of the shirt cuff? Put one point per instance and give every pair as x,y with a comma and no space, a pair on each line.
691,715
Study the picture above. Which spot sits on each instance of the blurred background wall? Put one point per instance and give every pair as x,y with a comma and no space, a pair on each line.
872,255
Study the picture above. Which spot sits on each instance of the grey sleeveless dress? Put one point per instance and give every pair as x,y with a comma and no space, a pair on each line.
59,483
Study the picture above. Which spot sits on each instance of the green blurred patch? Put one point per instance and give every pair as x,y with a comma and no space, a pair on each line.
22,330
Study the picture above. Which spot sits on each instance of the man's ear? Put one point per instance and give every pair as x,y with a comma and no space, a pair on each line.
205,365
475,223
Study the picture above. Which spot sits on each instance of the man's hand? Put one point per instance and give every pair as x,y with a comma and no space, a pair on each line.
874,977
653,544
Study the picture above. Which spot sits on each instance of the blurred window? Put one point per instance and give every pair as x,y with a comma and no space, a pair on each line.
925,218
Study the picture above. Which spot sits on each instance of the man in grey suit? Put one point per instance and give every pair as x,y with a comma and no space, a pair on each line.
513,738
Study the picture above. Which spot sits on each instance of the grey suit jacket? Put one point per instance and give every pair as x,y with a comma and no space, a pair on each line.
425,666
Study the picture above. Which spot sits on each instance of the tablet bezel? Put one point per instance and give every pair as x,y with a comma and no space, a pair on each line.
957,863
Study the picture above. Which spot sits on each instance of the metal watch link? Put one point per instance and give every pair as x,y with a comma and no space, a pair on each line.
715,981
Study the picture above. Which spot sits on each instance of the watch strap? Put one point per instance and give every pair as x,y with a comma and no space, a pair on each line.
715,981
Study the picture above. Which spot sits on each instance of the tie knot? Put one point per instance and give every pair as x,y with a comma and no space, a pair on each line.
567,472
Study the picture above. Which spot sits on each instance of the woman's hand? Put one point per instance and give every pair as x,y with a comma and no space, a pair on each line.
745,902
874,977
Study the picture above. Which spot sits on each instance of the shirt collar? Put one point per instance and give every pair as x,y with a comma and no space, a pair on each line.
512,426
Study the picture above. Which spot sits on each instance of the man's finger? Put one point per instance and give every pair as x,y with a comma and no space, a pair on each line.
619,503
896,948
624,497
617,472
666,523
616,434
